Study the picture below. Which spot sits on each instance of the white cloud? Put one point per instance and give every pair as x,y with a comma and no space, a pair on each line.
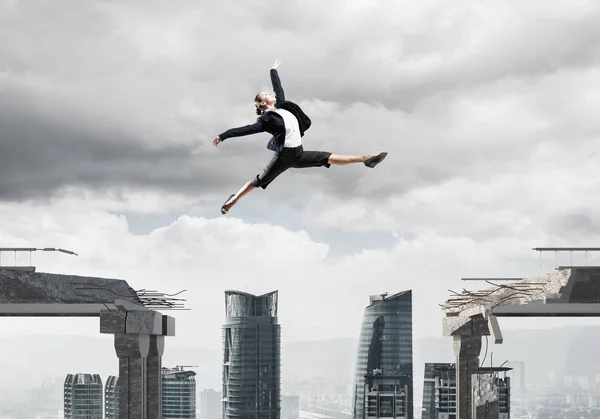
320,297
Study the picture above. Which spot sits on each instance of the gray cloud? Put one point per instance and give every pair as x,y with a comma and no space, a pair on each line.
113,94
39,156
576,226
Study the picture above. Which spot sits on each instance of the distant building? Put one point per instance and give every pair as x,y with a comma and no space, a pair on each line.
517,379
386,396
439,391
111,397
210,404
251,357
290,407
178,393
83,396
383,382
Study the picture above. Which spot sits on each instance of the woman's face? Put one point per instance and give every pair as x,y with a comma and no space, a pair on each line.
267,98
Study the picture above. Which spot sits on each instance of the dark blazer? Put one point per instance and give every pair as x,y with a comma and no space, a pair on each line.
271,122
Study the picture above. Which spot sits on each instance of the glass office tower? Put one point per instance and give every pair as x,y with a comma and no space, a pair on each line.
384,365
251,357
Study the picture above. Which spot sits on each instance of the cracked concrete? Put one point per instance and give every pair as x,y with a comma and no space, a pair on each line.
471,315
485,396
551,286
39,287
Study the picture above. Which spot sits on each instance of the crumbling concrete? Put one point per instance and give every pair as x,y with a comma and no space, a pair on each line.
40,287
139,343
485,396
138,331
572,291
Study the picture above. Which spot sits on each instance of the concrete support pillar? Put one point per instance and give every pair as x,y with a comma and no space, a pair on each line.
466,350
132,350
139,342
154,377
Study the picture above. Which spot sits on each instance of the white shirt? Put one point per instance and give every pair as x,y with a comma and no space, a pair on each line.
292,129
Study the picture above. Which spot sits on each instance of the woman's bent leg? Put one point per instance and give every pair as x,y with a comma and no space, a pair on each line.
274,168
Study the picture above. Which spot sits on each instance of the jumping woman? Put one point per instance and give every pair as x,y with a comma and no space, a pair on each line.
287,123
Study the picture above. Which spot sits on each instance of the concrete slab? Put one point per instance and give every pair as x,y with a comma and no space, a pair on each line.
143,322
548,310
53,310
41,287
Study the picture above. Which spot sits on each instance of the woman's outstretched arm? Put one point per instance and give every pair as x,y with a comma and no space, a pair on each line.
241,131
276,82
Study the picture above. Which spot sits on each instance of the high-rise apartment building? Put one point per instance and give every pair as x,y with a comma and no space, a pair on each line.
178,393
383,383
111,397
439,391
251,357
210,404
83,396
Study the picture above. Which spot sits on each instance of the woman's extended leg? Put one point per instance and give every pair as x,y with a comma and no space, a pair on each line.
370,160
326,159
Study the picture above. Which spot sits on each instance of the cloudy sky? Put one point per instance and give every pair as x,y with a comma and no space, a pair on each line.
488,110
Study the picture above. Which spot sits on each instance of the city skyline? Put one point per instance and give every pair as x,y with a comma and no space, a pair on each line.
108,111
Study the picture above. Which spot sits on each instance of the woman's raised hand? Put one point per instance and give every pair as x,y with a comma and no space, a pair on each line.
277,62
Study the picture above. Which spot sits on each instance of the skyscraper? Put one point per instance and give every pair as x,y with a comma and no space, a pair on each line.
384,366
111,397
210,404
178,393
251,357
83,396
